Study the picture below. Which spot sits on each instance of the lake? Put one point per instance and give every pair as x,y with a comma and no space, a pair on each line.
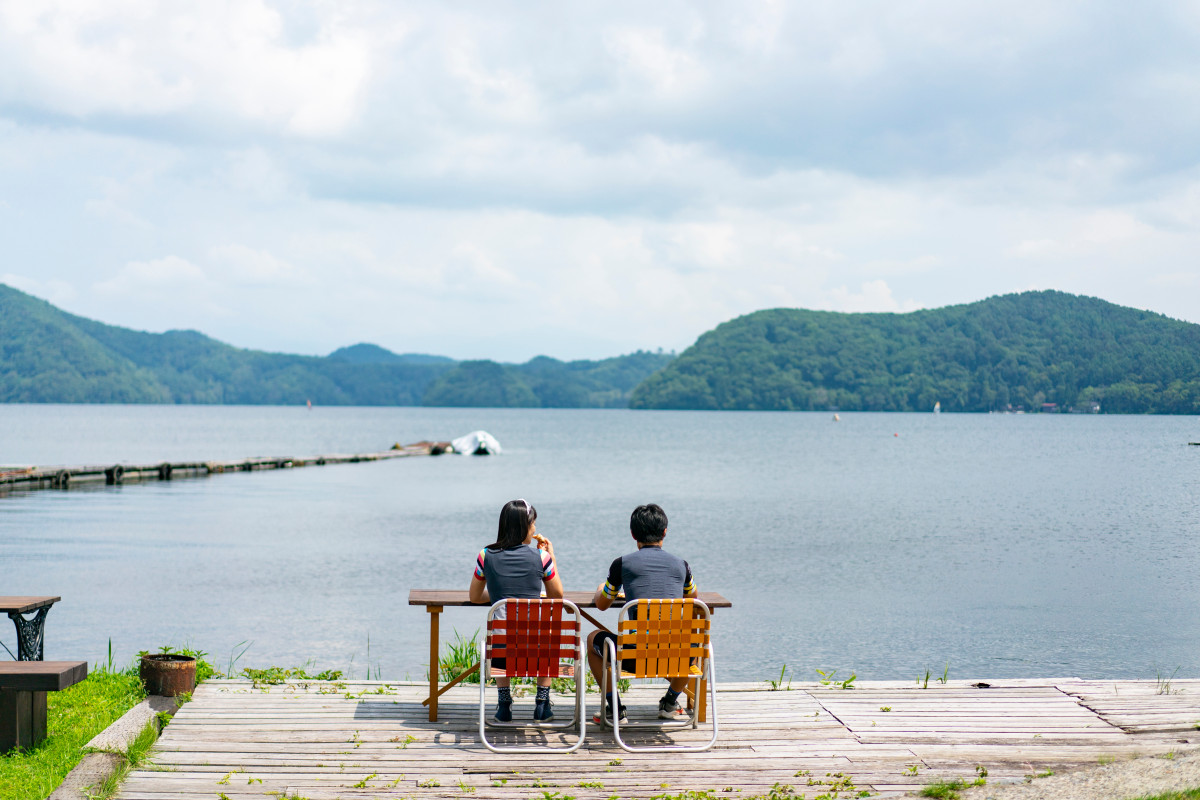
882,544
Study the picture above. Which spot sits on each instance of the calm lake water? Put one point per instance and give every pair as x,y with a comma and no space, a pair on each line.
1005,546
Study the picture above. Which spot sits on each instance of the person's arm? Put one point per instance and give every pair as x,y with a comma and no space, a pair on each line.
478,590
689,583
607,591
550,576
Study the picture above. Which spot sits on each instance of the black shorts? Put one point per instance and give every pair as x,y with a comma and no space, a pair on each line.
498,663
600,649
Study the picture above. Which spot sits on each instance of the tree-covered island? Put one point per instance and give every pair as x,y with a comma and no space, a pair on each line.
1034,351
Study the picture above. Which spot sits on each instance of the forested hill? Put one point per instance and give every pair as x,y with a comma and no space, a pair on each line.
1013,351
50,356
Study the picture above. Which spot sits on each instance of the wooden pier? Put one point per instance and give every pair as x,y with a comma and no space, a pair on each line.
64,477
364,740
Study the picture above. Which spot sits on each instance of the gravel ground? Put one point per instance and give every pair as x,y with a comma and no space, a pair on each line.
1121,780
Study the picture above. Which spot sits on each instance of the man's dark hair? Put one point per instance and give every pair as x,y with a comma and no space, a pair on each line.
648,523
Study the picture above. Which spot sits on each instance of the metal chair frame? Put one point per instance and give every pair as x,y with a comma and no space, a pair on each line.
535,639
663,647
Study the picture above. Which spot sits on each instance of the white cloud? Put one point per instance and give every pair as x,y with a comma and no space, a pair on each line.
1087,234
246,265
631,175
219,59
872,296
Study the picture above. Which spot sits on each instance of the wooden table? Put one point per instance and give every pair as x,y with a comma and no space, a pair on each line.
29,631
437,600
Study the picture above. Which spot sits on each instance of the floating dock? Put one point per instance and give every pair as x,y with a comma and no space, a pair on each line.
65,477
360,740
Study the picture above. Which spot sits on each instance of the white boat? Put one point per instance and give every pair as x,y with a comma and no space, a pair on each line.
476,443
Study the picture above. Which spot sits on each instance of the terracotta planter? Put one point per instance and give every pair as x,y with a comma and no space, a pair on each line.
168,674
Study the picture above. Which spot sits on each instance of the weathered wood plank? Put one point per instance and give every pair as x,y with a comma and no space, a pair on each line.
354,739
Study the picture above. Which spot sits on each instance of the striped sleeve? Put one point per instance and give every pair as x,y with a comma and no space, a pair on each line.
689,583
612,586
548,571
479,574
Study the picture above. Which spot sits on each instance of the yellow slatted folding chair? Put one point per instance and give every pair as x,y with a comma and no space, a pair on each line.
663,639
534,638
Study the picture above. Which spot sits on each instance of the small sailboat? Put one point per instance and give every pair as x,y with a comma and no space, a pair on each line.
937,407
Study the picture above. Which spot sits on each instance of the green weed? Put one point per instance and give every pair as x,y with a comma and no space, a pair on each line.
777,685
828,679
363,783
458,656
1163,685
924,684
273,676
835,783
947,790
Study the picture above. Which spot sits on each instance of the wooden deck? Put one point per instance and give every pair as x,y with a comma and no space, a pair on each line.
366,740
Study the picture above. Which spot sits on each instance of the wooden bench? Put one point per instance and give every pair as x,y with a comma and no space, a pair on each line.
23,687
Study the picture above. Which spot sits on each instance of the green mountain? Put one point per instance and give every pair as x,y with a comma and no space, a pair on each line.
374,354
1018,350
545,382
50,356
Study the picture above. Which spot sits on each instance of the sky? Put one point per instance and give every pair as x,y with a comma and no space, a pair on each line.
506,179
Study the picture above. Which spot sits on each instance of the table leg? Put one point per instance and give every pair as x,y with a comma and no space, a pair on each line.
434,647
30,634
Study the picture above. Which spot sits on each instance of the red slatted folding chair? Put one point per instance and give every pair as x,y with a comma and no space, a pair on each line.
668,639
534,637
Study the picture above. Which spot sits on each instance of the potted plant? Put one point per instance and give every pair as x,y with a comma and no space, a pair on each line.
168,673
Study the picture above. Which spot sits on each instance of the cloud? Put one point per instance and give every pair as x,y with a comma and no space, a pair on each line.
589,178
246,265
223,61
873,296
1088,233
171,273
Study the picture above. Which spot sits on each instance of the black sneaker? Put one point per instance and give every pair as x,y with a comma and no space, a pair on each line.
621,716
669,709
542,711
503,712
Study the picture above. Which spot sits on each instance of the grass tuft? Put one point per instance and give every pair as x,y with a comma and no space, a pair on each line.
947,790
73,717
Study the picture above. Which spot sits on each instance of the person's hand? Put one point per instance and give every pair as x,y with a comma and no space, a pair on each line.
544,544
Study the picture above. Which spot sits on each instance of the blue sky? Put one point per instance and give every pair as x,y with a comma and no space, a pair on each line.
500,180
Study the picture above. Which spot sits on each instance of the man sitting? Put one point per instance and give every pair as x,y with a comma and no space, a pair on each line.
649,573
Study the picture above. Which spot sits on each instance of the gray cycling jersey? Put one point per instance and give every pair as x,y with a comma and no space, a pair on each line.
650,573
513,572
